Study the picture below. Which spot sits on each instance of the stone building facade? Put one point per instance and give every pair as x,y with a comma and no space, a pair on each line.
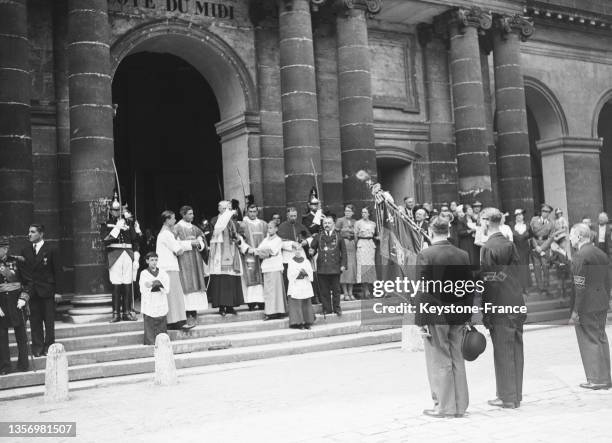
505,101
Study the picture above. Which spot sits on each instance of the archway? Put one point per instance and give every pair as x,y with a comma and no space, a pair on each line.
166,147
396,172
219,122
604,130
537,179
545,121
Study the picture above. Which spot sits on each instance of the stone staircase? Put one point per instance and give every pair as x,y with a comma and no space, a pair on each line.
100,350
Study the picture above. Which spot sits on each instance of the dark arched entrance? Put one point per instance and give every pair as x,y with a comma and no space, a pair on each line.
604,130
537,179
167,149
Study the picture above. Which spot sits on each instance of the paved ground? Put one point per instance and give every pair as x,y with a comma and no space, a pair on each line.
370,395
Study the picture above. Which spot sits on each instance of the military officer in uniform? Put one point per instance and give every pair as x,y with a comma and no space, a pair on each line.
13,299
121,241
331,261
313,219
542,228
500,265
589,307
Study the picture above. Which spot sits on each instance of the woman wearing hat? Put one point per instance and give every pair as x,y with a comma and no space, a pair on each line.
520,235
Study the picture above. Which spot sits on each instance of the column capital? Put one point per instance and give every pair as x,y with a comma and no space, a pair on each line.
370,7
314,4
463,18
519,24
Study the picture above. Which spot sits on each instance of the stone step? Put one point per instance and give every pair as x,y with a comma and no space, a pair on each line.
81,343
207,316
317,339
255,338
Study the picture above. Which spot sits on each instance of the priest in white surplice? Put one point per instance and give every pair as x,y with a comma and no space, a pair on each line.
191,265
225,262
253,230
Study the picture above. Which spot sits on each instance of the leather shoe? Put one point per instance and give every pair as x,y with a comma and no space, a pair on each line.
128,317
594,386
115,319
435,413
503,404
339,312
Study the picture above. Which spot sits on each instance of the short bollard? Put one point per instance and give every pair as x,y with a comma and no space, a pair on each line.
56,374
412,339
165,368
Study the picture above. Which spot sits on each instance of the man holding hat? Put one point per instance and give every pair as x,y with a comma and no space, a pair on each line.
121,241
13,299
445,364
542,228
590,306
500,265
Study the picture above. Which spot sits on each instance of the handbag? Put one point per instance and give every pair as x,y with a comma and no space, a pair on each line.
474,343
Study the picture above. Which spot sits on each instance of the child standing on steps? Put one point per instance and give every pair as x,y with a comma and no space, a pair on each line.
299,275
154,285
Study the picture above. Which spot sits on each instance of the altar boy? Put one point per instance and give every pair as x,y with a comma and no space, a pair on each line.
154,285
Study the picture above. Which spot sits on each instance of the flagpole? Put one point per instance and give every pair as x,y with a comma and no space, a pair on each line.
411,335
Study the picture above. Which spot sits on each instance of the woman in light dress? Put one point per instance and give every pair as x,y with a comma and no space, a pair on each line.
346,226
365,231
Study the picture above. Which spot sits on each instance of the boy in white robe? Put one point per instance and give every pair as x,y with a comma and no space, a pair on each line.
154,285
300,276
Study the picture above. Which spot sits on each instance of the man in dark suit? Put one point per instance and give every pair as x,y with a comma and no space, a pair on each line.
603,234
542,228
590,306
331,261
442,262
42,274
500,266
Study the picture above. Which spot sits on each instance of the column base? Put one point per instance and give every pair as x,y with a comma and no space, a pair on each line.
90,308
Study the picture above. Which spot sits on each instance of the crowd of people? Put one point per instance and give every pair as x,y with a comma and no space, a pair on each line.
285,266
503,303
542,242
282,267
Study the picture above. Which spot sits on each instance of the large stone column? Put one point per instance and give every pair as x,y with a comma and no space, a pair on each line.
299,102
357,140
16,201
463,27
91,148
265,21
513,156
442,152
326,68
62,112
486,46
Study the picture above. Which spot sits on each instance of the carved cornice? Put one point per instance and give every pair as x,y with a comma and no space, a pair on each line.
463,18
563,16
507,24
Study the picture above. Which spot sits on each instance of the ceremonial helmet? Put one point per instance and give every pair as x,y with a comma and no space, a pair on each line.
474,344
115,205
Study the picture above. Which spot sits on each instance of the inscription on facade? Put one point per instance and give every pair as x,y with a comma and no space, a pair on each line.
191,7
